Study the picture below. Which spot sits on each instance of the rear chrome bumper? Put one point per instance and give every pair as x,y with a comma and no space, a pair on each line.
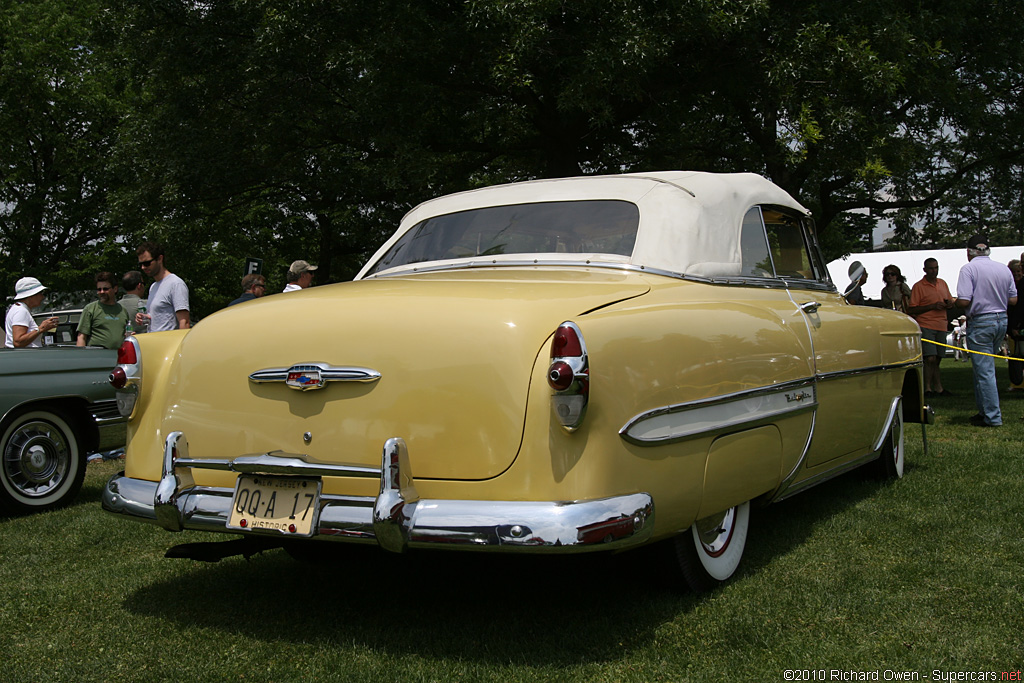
396,519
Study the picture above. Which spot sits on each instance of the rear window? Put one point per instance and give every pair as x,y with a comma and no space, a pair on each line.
578,227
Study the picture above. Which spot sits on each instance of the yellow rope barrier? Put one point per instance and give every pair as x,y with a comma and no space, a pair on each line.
960,348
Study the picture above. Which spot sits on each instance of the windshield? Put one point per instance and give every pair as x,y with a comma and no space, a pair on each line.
578,227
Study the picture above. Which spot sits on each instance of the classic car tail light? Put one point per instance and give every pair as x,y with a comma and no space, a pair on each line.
126,375
118,377
569,376
560,376
567,341
127,354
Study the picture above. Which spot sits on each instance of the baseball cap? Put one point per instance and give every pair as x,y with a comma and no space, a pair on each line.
299,267
978,241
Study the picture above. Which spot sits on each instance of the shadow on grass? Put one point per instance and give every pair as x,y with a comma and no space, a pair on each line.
92,490
496,608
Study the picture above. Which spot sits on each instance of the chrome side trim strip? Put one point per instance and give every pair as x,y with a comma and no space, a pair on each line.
822,477
397,518
889,419
105,411
720,414
840,374
799,463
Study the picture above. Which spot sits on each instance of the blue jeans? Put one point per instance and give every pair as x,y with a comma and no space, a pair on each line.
985,333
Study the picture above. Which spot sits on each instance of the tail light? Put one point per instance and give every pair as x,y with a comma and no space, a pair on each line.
569,376
127,375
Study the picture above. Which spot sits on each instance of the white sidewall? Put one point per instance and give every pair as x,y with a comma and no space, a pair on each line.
723,566
73,466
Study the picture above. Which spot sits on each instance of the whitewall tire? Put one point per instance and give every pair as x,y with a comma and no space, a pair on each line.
710,551
41,462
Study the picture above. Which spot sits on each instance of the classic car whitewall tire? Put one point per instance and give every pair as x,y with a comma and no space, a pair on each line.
890,462
711,550
40,462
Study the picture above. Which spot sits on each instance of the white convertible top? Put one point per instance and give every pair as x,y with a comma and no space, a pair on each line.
690,222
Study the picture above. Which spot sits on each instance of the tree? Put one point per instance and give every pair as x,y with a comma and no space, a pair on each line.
59,112
324,121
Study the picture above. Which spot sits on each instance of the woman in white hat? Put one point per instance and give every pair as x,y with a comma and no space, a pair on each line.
21,329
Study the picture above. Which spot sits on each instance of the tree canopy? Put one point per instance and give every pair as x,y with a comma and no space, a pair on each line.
305,130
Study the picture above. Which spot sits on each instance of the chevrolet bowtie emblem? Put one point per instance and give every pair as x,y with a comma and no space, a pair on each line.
309,376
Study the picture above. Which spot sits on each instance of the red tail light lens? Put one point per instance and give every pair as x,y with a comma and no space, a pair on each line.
560,376
126,355
126,377
118,378
569,376
566,342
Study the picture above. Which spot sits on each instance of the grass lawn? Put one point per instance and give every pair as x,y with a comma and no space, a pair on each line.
920,575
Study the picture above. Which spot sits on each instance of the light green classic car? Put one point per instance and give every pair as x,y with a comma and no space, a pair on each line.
556,366
56,407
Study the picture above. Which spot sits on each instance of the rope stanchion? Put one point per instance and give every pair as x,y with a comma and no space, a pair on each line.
960,348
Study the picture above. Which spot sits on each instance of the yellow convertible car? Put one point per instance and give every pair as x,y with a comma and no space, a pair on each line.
578,364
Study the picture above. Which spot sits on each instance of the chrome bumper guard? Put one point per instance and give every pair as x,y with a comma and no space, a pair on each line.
396,519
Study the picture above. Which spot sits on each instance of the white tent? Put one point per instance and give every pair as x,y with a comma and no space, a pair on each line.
911,264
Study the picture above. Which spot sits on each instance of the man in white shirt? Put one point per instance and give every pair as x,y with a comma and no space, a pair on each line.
168,295
300,276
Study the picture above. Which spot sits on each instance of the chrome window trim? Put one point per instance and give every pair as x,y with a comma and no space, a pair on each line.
733,281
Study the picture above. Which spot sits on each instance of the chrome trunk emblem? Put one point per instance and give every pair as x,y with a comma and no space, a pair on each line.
304,377
309,376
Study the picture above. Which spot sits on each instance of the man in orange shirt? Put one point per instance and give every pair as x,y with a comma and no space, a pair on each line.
929,301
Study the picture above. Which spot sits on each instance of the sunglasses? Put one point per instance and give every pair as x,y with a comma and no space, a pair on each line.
103,289
145,264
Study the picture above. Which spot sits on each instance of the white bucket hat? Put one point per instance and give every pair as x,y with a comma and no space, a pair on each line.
26,287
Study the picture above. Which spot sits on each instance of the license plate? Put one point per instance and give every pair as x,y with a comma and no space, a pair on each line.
286,505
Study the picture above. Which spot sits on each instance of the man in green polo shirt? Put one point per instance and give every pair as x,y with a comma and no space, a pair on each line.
103,321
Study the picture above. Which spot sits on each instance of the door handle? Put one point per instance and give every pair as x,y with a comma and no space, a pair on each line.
810,307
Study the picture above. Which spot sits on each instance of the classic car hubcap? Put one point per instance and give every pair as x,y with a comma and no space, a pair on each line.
715,531
36,458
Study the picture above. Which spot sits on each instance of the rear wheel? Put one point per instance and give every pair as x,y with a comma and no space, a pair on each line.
42,464
709,553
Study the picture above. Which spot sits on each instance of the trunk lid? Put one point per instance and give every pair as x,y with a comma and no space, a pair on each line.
455,352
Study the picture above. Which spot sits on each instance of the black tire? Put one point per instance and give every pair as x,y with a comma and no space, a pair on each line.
42,464
890,463
709,553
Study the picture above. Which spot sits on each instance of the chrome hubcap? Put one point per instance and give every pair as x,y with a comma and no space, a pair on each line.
715,531
36,458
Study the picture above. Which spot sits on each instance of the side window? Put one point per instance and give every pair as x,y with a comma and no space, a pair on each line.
754,246
787,242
